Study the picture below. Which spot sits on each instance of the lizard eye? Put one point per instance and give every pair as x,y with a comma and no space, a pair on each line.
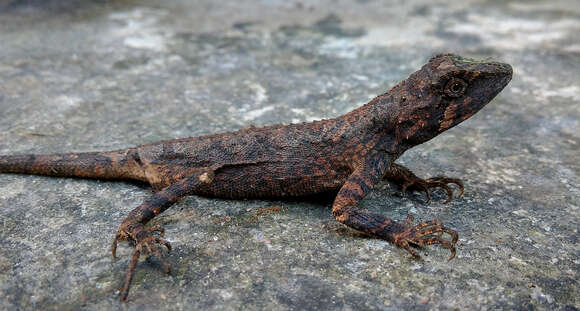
455,87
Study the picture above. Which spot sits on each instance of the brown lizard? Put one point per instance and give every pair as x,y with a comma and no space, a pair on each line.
348,154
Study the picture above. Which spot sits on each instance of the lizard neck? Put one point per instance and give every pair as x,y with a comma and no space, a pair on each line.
374,125
370,128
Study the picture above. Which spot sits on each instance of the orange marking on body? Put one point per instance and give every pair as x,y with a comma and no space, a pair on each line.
205,178
342,217
467,115
419,124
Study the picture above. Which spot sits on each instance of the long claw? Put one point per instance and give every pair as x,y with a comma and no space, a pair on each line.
130,273
452,233
448,180
449,192
425,189
453,251
459,183
421,186
114,245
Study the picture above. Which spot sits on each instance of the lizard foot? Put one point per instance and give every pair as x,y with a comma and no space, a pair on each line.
408,180
144,241
425,233
433,182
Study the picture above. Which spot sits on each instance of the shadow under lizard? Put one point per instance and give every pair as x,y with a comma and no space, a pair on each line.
348,155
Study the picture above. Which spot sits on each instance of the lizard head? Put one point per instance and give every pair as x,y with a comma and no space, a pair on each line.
444,92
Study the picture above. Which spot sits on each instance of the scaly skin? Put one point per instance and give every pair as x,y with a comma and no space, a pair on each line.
348,154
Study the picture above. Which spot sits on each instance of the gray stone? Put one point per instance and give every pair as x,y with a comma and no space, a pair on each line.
101,75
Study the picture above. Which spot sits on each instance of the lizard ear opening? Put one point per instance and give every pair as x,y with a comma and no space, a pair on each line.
455,87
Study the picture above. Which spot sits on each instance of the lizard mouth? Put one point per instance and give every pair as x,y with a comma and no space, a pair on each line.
506,72
503,75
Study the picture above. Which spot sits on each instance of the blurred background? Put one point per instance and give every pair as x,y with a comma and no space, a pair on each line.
100,75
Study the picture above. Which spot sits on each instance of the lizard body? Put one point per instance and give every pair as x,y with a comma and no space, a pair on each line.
347,154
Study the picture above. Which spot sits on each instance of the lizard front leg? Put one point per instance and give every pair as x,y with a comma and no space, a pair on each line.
407,179
133,226
345,209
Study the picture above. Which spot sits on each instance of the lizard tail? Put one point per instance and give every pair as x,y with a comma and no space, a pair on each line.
121,164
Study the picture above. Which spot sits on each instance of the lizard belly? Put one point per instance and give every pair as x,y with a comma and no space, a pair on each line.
273,180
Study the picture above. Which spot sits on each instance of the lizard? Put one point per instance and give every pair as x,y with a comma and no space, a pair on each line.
346,155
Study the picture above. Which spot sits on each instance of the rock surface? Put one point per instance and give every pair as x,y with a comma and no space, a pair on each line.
98,75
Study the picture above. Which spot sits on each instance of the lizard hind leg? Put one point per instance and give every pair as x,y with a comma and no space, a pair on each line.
408,180
133,226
